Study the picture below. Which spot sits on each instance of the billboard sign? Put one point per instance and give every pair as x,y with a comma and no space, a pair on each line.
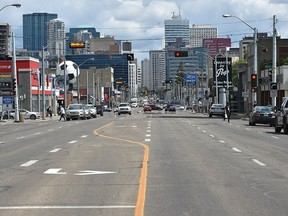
222,69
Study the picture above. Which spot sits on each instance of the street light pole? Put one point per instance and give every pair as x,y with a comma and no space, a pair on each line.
255,63
13,5
78,85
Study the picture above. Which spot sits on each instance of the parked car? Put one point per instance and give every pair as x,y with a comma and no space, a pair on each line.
75,111
155,107
134,105
281,120
27,114
87,112
217,109
170,108
147,108
262,115
99,109
124,108
93,111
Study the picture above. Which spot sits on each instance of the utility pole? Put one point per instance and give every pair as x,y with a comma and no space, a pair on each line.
274,60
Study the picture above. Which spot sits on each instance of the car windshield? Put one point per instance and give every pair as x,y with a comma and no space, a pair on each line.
75,107
264,109
123,105
217,106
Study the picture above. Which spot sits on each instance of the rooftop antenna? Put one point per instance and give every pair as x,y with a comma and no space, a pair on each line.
179,11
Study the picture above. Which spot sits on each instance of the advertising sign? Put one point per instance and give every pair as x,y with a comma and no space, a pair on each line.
222,69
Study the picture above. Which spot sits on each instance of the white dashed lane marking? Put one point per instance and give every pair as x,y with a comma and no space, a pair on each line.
236,150
29,163
73,141
55,150
258,162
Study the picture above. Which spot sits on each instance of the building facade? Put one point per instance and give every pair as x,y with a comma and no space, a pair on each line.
176,32
158,68
35,30
4,39
200,32
56,42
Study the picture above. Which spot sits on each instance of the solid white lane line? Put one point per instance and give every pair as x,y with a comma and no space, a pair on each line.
29,163
55,150
236,150
258,162
73,141
64,207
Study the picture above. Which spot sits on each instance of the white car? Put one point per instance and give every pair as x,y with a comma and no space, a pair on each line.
124,108
27,114
92,109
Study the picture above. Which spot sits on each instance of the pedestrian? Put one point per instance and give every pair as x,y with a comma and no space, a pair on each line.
49,112
62,113
227,112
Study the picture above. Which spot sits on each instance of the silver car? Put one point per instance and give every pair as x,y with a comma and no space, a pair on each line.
75,111
217,109
92,109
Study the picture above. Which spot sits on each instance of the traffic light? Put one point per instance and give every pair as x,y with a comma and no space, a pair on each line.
181,53
75,45
270,75
130,57
254,83
14,86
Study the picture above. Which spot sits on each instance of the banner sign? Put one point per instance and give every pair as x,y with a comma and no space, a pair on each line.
222,69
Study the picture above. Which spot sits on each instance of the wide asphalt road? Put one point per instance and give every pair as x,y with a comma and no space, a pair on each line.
144,164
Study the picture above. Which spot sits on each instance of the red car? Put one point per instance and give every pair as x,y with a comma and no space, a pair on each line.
147,109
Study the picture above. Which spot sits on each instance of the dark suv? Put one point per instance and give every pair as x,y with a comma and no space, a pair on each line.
281,121
99,108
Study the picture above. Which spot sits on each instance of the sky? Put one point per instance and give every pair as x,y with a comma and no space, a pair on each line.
142,21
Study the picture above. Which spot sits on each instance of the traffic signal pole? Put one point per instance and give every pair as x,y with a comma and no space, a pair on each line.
274,60
15,80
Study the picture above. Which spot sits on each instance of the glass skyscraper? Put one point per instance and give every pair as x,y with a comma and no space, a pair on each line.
35,30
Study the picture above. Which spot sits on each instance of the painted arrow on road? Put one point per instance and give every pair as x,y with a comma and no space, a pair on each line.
91,172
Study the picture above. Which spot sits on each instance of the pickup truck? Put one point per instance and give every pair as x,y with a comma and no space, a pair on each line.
281,121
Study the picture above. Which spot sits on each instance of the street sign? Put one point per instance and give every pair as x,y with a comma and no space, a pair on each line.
7,100
190,78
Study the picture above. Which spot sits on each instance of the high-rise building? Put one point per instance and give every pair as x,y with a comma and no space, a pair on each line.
176,32
146,74
157,67
81,33
200,32
35,30
4,39
56,38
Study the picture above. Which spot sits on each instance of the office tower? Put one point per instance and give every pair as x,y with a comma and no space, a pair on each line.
4,39
176,32
35,30
81,33
200,32
56,38
157,67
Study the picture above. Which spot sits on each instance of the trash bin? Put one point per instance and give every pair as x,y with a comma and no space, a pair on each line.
21,117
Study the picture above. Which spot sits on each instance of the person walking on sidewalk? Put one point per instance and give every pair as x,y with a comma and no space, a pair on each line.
227,112
62,113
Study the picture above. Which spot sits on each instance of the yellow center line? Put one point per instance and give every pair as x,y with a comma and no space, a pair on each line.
139,210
